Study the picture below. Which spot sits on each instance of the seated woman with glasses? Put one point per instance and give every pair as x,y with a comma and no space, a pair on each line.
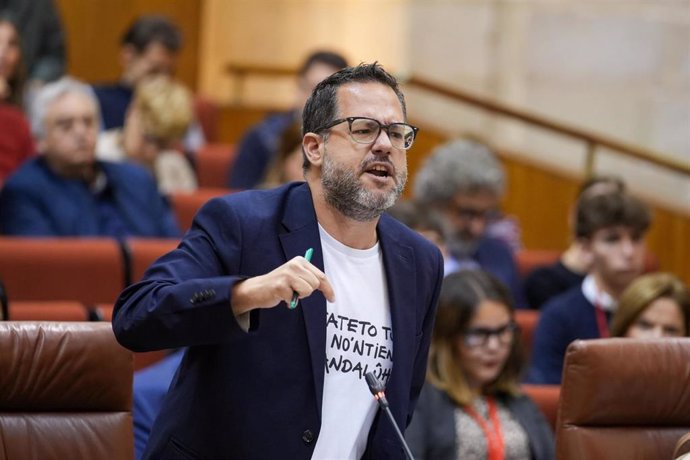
471,406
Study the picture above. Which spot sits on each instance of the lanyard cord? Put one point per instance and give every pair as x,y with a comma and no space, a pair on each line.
494,437
602,324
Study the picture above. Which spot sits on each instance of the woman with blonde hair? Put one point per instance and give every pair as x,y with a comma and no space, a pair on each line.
654,305
471,406
155,125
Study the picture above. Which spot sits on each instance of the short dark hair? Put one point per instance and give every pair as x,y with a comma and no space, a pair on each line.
149,29
322,106
601,184
328,58
598,211
461,294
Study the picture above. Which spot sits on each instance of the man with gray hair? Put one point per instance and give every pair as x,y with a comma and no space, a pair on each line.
65,191
464,181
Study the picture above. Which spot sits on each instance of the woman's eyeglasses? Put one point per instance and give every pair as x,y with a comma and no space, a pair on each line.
479,336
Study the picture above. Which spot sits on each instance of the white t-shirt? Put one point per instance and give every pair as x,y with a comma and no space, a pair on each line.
358,340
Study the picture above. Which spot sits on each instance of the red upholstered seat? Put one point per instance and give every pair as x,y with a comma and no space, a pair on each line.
87,270
186,205
48,311
546,397
213,163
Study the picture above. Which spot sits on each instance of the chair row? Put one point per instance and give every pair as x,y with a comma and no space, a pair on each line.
90,271
607,407
93,271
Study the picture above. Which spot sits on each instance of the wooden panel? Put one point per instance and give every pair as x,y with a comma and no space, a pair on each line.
234,122
541,200
94,28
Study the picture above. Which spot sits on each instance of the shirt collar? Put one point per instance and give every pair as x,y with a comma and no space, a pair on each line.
596,296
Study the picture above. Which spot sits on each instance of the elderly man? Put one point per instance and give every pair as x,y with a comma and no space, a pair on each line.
261,379
464,182
65,191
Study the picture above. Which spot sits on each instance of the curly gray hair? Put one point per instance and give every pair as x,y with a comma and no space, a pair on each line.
459,166
51,92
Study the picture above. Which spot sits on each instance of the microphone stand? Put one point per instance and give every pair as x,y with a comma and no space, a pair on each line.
376,388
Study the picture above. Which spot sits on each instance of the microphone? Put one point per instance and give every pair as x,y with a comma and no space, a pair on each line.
377,389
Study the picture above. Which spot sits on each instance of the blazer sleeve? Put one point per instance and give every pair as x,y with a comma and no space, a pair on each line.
185,298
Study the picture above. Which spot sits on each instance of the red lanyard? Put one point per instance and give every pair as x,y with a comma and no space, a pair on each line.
602,324
494,438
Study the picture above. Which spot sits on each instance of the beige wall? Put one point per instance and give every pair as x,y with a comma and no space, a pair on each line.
282,32
621,68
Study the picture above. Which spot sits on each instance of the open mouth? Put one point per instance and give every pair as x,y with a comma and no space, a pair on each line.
379,170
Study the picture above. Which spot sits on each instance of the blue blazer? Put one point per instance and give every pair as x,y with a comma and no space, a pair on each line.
257,395
37,202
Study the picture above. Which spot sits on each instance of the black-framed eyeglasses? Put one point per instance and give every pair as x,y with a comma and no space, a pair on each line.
365,130
479,336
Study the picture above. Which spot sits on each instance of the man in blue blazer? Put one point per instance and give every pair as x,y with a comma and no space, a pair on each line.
65,191
261,380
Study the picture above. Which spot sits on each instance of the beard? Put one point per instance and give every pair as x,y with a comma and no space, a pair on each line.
459,244
344,192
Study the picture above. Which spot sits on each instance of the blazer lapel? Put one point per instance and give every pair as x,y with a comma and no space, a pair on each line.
400,268
301,233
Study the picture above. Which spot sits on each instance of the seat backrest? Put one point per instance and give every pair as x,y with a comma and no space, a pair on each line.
546,397
213,164
56,310
529,259
207,114
624,399
527,322
144,251
65,392
185,205
88,270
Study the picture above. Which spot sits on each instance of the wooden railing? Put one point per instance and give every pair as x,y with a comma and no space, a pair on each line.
593,141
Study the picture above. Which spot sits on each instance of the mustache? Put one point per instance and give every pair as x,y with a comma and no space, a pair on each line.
378,159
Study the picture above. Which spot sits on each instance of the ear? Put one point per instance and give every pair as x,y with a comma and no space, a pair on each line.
312,146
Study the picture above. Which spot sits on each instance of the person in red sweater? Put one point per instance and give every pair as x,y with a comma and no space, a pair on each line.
16,144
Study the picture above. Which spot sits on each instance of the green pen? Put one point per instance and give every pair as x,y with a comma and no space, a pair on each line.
295,296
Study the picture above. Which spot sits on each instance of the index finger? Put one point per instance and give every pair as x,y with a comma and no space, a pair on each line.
326,288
